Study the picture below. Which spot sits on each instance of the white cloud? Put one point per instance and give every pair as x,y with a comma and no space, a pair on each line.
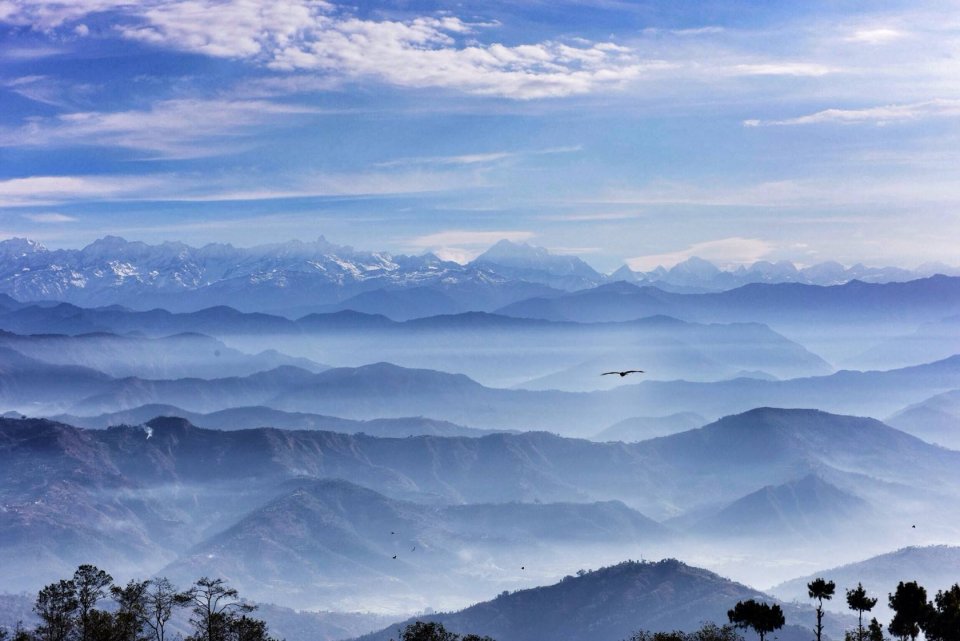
45,190
724,251
784,68
938,108
50,217
183,128
474,159
426,51
876,36
462,246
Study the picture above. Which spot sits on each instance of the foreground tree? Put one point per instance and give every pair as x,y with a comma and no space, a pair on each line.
90,583
858,600
875,631
130,617
911,610
820,589
56,606
220,615
761,617
160,601
432,631
708,632
944,619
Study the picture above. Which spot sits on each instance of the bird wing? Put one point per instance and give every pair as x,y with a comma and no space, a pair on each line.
634,371
608,373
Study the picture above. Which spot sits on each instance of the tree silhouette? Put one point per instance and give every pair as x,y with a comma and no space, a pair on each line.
56,605
708,632
214,607
944,620
130,618
875,631
911,609
761,617
432,631
159,602
858,600
820,589
427,631
90,583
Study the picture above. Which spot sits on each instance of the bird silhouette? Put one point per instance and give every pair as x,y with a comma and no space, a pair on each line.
394,556
624,372
413,549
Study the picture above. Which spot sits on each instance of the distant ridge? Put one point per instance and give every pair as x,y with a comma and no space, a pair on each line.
282,276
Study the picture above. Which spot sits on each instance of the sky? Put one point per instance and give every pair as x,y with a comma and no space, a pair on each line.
622,132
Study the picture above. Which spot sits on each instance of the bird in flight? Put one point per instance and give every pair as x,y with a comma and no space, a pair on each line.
624,372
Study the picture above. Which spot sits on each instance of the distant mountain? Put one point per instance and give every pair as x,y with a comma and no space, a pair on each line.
809,508
345,541
238,418
177,356
915,300
931,341
641,428
498,349
936,419
281,277
609,605
265,278
935,567
697,274
386,390
521,261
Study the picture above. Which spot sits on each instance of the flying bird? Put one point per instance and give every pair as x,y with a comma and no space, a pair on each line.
394,556
624,372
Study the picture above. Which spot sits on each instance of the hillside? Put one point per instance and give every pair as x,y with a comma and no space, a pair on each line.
606,605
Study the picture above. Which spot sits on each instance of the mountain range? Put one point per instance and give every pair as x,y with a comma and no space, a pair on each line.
282,277
250,503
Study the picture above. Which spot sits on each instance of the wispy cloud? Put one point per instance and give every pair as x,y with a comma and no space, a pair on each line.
479,158
49,217
47,190
939,108
182,128
876,35
724,251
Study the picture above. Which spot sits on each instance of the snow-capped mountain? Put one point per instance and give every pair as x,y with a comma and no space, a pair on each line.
299,277
698,275
113,270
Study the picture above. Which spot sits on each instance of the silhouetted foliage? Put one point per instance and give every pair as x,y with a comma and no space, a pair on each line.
911,609
709,632
762,618
56,606
875,631
159,602
90,583
216,607
821,589
131,612
858,600
944,618
431,631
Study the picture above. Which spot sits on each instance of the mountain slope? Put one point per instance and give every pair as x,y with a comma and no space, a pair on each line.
934,567
605,605
332,540
809,508
936,419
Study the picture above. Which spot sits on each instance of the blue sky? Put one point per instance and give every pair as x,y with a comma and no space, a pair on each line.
638,132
